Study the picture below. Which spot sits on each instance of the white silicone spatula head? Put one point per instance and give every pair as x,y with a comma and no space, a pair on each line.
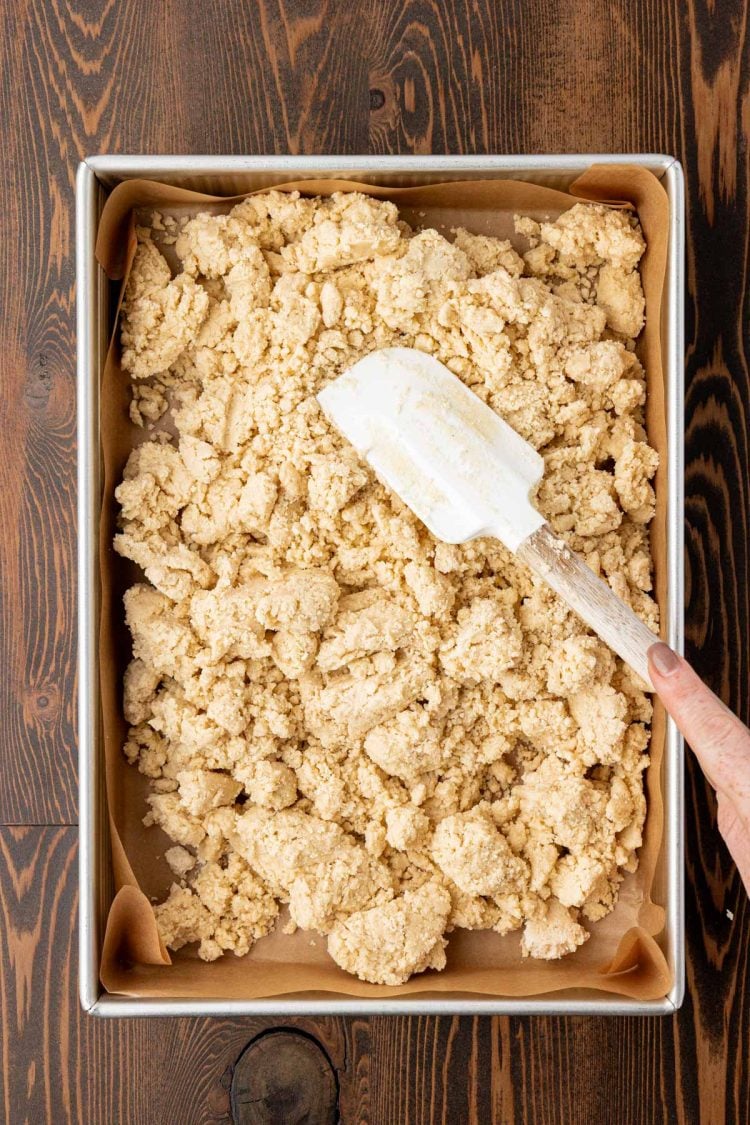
459,467
465,472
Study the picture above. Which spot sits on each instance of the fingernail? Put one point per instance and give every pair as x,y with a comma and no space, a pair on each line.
663,659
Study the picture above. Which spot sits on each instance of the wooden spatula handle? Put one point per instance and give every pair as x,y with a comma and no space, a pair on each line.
593,600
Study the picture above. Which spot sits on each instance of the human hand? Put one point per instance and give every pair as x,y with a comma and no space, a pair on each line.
720,742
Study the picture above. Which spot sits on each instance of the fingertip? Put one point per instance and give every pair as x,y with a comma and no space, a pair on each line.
663,660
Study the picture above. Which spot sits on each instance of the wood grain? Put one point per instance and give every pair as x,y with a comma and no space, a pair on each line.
381,76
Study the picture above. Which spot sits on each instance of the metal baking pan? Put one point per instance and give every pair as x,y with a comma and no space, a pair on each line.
231,175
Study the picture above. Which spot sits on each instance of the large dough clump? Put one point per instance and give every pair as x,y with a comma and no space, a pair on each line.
387,944
160,316
387,736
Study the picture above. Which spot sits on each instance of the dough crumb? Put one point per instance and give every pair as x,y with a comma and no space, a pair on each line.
180,860
552,935
225,909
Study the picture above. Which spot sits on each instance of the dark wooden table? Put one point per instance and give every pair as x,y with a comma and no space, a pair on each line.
460,76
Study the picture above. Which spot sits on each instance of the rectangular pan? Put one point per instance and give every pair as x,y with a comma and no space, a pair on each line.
232,175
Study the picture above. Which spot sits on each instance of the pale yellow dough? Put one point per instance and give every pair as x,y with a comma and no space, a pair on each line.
391,736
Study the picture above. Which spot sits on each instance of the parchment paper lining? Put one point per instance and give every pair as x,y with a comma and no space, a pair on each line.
623,955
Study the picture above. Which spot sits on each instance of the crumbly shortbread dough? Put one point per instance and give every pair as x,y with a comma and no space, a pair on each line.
391,736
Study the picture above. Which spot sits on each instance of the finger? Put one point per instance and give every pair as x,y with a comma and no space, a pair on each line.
734,829
718,738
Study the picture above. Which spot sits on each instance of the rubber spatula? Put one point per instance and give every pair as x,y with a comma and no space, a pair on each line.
465,472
